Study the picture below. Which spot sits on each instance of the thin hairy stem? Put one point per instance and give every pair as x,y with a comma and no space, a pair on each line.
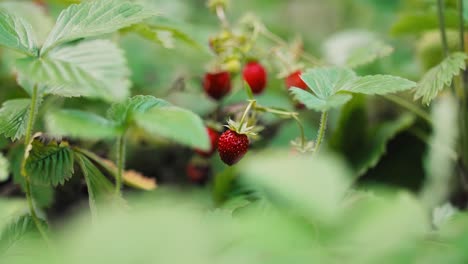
443,33
409,106
321,131
27,140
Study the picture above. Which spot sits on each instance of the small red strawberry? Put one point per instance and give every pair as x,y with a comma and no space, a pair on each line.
217,84
232,146
255,75
198,173
294,80
213,135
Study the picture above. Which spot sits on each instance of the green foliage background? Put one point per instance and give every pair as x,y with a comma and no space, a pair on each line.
383,191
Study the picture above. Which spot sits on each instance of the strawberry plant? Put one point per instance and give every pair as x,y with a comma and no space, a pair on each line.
137,131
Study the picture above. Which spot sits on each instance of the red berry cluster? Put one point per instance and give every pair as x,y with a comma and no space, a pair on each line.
218,84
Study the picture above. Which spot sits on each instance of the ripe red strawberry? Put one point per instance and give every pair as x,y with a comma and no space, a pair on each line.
232,146
213,135
255,75
294,80
198,173
217,84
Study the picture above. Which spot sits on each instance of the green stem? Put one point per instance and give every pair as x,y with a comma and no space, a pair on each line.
409,106
301,130
321,131
27,179
287,114
120,163
443,33
246,112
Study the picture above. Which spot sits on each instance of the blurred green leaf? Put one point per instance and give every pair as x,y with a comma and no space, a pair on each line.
196,102
385,226
95,68
94,18
123,112
441,157
4,168
439,77
417,22
222,184
368,54
81,124
11,208
175,123
49,162
36,16
13,236
16,34
315,187
13,118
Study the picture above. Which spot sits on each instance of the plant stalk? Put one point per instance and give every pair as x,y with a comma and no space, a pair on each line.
443,33
321,131
287,114
409,106
246,112
27,179
120,164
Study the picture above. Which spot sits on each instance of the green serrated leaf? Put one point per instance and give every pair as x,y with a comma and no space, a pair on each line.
439,77
34,14
318,104
16,34
326,81
99,186
368,54
95,68
379,84
19,231
81,124
13,118
4,168
43,195
123,112
49,163
94,18
174,123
